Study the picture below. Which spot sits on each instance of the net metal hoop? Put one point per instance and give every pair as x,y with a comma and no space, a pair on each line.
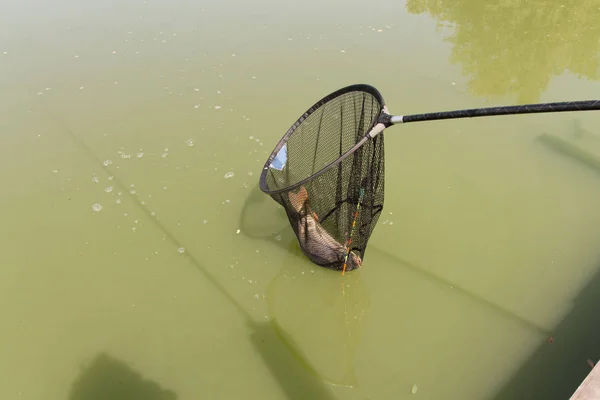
348,89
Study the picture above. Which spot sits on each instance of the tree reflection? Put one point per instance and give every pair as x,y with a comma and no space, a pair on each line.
517,46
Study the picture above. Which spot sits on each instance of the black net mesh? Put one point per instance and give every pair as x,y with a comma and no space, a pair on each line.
332,203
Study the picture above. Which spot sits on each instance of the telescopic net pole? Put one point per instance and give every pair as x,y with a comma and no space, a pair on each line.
586,105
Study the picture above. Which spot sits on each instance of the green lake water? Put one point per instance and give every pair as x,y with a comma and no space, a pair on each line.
139,259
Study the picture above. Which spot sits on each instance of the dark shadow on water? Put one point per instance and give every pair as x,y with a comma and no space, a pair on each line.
572,152
107,378
555,370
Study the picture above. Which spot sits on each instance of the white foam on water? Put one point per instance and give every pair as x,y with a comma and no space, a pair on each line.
95,179
97,207
229,175
181,250
108,189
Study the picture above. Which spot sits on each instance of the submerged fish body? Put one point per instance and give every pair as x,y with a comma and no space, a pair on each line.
315,239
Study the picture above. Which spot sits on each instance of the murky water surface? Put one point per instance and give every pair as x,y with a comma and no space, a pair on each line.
139,260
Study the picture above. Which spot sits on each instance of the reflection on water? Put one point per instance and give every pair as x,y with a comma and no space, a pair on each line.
518,46
322,313
316,312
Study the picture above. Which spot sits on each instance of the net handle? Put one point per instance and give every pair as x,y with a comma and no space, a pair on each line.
585,105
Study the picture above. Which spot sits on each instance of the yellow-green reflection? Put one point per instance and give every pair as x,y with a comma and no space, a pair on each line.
518,46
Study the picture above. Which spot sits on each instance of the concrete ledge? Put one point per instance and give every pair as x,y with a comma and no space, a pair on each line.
590,387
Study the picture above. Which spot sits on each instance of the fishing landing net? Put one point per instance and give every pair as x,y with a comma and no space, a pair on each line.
328,169
331,187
